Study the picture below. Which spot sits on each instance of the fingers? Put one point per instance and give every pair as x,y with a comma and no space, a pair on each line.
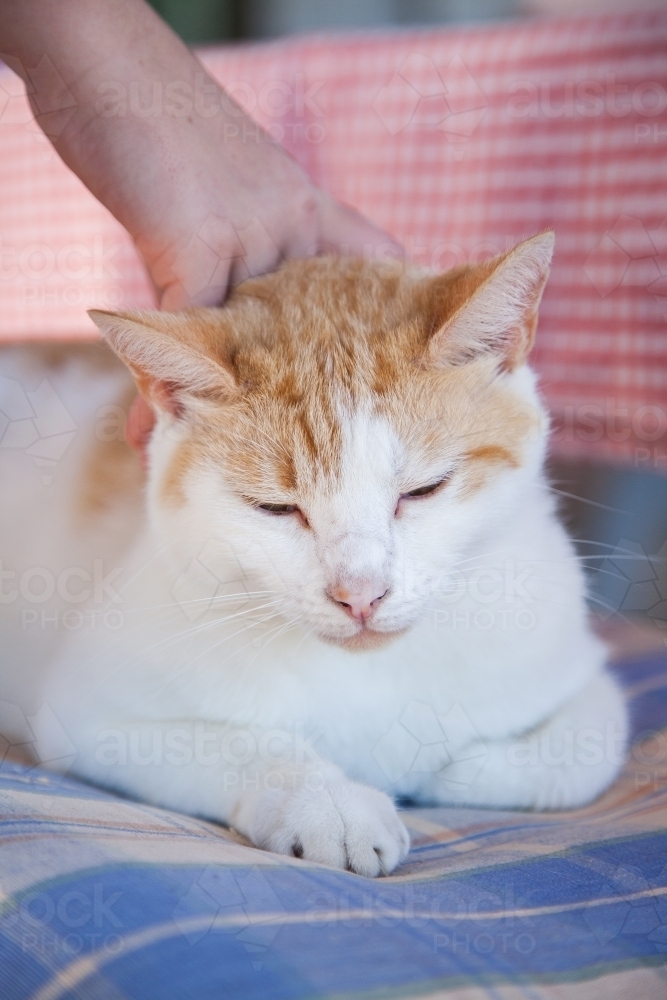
344,230
201,270
176,295
216,258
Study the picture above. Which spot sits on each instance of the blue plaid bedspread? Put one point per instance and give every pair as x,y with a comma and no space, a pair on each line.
105,899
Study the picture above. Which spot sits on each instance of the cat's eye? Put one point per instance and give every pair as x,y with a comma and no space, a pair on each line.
424,491
278,508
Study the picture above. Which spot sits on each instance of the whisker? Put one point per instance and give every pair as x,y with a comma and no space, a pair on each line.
592,503
214,646
608,607
200,600
279,631
202,626
158,552
171,639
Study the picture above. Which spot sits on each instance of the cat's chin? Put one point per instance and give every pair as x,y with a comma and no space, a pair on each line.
365,640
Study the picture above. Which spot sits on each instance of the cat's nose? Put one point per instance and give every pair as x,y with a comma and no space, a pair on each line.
359,602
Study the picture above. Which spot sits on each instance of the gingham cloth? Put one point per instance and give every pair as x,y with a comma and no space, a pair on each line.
459,143
105,899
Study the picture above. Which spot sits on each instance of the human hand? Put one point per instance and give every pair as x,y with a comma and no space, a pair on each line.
205,210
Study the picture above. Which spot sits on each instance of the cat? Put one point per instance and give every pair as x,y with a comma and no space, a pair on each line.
346,583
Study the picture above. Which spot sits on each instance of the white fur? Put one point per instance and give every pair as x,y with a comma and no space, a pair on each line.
224,693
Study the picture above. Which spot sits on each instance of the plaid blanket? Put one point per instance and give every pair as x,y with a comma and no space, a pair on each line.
106,899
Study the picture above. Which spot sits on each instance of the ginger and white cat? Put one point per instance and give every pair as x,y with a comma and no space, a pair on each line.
349,583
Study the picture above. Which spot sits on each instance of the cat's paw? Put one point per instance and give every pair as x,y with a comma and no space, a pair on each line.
343,824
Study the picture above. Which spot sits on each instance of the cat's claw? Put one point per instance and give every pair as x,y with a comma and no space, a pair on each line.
344,825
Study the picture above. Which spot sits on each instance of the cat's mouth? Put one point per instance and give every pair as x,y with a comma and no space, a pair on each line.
365,639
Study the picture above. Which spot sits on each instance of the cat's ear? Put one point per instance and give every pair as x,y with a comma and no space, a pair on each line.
498,314
167,354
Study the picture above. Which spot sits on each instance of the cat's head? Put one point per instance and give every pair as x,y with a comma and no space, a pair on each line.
347,429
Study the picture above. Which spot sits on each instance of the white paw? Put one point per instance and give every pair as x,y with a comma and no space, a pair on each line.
343,824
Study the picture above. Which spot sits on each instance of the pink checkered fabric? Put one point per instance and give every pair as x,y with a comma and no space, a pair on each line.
459,143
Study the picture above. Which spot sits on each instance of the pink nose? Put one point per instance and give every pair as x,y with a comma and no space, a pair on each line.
359,603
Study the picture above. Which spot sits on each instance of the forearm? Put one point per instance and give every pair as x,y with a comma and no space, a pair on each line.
271,786
207,197
223,772
69,53
76,57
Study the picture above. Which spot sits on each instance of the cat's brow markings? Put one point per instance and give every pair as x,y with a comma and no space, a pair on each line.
494,453
322,340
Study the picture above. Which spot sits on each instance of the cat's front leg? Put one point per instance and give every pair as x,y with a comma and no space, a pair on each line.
318,814
305,807
563,763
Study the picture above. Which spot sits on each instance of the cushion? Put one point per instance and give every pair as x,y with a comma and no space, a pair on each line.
113,900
